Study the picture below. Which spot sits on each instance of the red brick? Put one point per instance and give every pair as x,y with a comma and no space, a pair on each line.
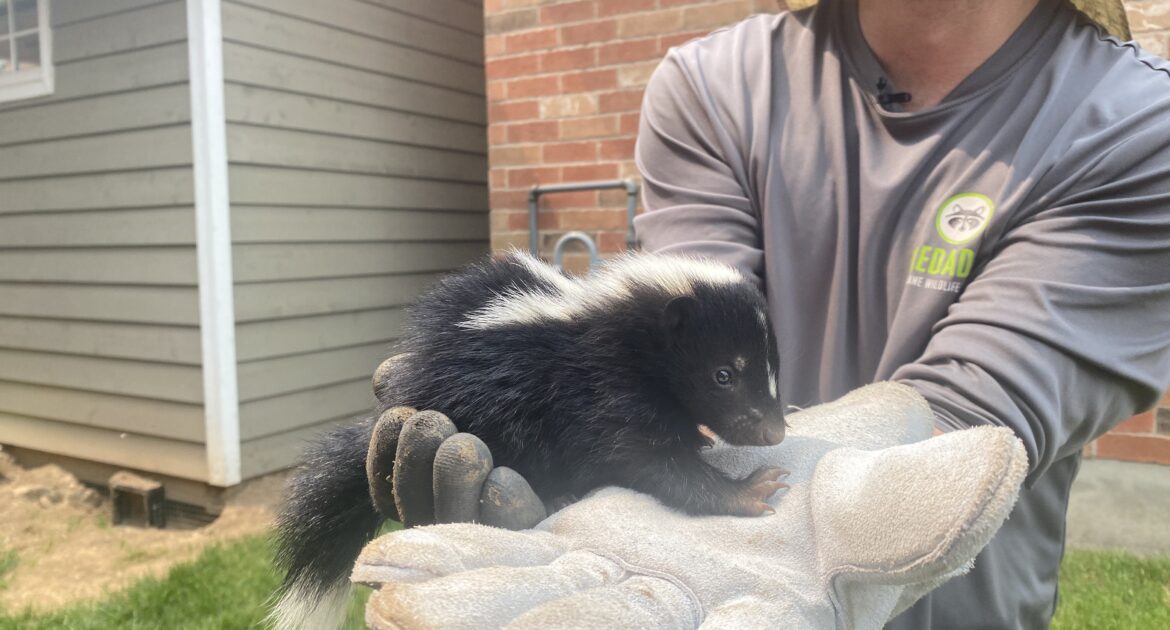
622,149
575,261
536,86
525,177
566,12
493,45
588,81
497,91
572,59
589,172
498,177
508,199
522,155
574,200
1151,449
533,131
512,67
612,199
531,40
544,221
588,33
639,24
1141,423
666,42
592,219
508,241
497,134
623,101
513,110
624,52
630,123
591,127
569,152
568,105
613,7
498,220
610,242
710,15
510,21
636,74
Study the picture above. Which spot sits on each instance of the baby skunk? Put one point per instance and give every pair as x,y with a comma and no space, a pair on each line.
574,383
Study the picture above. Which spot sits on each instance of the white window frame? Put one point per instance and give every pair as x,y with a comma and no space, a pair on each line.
30,83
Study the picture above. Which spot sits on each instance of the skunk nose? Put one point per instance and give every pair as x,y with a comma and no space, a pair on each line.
772,433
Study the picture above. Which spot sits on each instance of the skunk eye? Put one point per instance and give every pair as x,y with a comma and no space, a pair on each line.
723,377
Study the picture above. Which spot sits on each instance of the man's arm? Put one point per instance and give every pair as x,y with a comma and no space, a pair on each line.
1066,330
692,177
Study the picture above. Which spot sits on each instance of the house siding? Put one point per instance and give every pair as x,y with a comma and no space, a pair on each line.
99,325
357,152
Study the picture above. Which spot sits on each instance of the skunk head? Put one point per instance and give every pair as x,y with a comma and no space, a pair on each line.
723,360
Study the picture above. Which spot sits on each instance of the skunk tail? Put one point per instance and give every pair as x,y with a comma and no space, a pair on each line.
327,519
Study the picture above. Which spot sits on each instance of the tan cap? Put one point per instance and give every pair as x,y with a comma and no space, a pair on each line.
1110,14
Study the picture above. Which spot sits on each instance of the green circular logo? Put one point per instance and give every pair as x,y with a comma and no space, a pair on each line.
963,217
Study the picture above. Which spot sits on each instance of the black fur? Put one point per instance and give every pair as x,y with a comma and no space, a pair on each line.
614,395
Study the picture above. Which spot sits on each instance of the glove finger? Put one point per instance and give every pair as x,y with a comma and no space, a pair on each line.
380,459
488,597
508,501
639,602
382,375
415,463
914,512
462,464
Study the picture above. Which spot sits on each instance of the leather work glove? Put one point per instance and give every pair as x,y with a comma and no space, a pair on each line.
878,514
422,472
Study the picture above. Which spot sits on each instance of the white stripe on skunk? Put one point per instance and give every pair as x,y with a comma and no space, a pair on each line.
673,275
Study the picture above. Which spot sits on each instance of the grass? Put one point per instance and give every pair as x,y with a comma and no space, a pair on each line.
8,562
1105,589
228,586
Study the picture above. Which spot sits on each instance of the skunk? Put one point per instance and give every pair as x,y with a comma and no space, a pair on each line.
573,383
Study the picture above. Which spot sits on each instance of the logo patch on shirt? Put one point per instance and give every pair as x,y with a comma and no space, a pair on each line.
958,221
963,217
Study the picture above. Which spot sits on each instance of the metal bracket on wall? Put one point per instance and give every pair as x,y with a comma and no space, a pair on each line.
535,193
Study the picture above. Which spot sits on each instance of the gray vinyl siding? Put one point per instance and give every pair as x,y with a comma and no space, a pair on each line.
99,322
357,147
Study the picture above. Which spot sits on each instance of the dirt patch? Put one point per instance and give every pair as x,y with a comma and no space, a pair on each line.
58,547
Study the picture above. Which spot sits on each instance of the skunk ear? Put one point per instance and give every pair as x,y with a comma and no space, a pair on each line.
677,312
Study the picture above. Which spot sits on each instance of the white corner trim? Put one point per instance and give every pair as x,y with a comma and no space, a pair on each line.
213,242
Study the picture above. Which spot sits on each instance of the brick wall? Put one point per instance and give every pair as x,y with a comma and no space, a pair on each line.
565,80
1149,20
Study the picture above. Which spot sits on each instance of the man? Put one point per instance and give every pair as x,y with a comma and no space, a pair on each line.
972,198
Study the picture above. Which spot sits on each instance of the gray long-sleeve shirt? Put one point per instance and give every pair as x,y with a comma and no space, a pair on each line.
1006,252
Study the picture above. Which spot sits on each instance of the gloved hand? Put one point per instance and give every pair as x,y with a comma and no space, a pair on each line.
422,472
877,516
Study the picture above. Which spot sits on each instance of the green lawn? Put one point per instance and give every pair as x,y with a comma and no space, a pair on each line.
1104,589
227,587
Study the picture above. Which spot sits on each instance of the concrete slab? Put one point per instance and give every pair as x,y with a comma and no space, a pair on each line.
1120,505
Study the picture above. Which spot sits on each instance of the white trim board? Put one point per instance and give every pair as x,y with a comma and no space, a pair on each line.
221,405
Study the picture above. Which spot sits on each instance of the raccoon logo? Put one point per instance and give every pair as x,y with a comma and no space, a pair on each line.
963,217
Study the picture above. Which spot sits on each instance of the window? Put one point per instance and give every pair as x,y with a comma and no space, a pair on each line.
26,47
